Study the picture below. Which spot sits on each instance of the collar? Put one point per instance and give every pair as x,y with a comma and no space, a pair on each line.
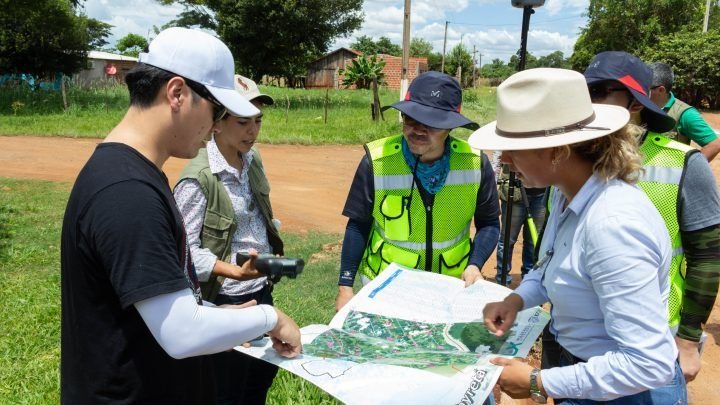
670,102
217,162
584,195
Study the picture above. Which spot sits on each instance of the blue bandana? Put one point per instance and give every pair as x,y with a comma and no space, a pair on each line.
431,176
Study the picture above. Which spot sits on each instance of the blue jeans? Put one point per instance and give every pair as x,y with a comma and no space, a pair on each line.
674,393
519,215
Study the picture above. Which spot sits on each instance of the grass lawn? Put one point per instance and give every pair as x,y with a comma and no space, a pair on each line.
298,116
30,281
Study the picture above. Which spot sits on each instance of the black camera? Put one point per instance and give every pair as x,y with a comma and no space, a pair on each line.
274,267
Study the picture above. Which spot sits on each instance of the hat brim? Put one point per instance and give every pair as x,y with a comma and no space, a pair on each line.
236,104
608,117
655,117
264,99
433,117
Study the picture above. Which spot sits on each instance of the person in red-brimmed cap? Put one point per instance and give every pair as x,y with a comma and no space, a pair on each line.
681,185
415,195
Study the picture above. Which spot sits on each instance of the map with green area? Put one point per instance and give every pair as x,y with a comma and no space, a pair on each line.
441,348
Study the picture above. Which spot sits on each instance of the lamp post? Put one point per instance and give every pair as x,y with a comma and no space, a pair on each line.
527,6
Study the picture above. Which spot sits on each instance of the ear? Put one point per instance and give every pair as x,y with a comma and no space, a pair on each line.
635,107
174,92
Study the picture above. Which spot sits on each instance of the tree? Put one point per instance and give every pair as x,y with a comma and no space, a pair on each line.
275,37
368,46
364,44
362,71
633,25
695,60
530,61
420,47
385,46
131,44
97,32
42,37
459,57
553,60
496,71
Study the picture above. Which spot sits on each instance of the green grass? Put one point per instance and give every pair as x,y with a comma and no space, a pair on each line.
298,116
30,282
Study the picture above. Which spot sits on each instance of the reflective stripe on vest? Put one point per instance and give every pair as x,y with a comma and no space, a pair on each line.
664,164
400,219
401,181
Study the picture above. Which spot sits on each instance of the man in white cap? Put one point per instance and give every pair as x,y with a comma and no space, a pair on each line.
134,327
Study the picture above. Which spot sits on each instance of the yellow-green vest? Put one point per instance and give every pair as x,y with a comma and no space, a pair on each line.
219,222
434,238
664,164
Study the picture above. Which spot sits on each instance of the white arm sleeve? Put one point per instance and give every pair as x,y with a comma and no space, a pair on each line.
185,329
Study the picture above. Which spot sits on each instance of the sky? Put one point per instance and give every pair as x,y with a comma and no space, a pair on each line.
491,26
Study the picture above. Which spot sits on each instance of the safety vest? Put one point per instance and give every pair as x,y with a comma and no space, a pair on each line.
219,224
406,231
664,164
676,111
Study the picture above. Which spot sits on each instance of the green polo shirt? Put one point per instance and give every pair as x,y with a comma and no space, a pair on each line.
692,124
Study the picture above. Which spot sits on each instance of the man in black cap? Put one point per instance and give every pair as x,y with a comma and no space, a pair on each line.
681,185
414,195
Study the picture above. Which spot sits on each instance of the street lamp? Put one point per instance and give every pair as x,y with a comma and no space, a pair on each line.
527,6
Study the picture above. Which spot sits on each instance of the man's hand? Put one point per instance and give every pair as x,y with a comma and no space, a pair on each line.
515,377
344,295
689,358
500,316
471,274
286,336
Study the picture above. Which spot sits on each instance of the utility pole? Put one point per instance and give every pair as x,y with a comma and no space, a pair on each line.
474,68
707,16
406,53
442,66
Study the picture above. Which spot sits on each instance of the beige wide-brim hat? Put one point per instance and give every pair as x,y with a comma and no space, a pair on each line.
544,108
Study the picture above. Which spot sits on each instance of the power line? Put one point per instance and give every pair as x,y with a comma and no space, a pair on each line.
515,23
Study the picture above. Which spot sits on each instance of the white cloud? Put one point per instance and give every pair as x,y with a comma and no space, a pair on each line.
131,16
385,18
556,6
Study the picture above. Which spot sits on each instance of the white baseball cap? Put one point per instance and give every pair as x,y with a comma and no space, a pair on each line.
249,89
202,58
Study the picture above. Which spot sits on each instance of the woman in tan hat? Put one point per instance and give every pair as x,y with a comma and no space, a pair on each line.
604,257
223,195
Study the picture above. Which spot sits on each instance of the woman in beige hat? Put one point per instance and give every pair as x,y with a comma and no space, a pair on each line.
605,253
223,195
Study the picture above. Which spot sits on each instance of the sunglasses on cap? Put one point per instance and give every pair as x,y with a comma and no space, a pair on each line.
602,91
409,122
219,111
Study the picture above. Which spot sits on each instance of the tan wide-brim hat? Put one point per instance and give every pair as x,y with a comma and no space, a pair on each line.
544,108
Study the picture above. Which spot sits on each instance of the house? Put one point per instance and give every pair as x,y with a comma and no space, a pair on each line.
323,72
105,66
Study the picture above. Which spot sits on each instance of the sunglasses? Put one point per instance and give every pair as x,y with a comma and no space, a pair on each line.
602,91
409,122
219,111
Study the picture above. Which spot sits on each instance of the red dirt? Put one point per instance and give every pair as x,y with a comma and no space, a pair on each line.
309,187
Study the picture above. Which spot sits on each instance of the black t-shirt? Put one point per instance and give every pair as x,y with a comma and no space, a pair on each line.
123,241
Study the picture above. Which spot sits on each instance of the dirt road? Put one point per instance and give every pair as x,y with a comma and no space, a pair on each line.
309,187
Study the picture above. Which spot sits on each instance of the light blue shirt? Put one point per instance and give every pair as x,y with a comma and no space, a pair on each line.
607,280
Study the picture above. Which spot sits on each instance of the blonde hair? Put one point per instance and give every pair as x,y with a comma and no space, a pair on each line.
615,156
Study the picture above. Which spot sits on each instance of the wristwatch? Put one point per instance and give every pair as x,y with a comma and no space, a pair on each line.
535,393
